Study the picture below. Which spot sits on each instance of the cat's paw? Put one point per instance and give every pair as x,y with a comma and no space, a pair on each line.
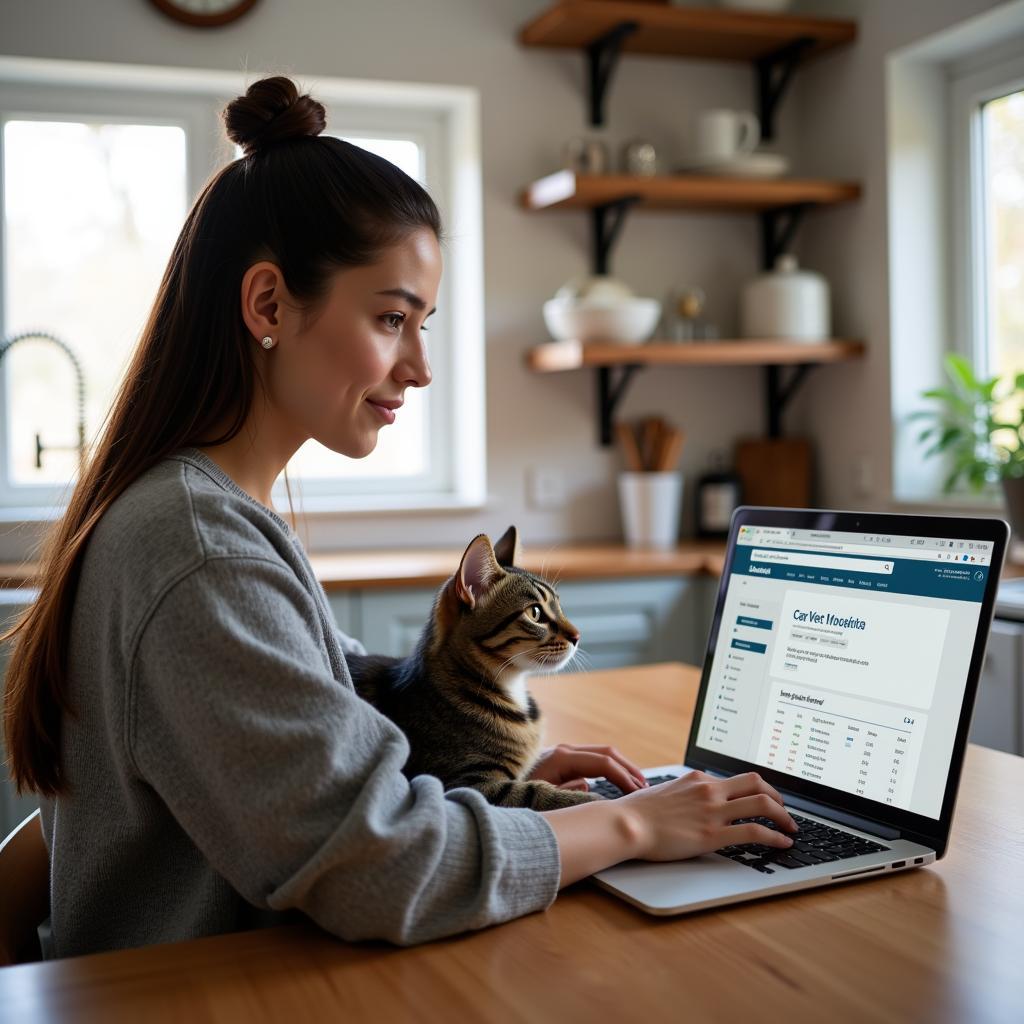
570,797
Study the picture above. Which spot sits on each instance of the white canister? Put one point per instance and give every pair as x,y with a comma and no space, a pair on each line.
650,504
786,303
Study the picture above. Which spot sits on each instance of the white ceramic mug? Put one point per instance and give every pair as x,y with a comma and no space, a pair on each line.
724,134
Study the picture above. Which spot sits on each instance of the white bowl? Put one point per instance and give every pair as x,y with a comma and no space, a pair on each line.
629,322
596,289
757,5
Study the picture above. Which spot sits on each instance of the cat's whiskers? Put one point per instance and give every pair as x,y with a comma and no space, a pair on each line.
509,661
515,687
578,661
544,565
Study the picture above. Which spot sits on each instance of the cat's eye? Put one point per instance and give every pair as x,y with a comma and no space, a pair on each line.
534,612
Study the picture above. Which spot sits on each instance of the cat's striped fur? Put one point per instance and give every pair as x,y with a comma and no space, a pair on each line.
461,697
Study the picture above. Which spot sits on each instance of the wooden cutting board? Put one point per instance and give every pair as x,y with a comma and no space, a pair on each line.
775,471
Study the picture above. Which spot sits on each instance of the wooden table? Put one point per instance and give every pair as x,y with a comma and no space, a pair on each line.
932,945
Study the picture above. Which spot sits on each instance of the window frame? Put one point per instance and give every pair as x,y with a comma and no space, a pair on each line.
971,85
926,228
445,117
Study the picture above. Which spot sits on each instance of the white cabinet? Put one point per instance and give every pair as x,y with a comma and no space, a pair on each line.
999,708
390,621
621,621
13,808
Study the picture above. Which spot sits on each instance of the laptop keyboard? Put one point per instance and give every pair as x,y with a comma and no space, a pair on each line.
815,843
611,791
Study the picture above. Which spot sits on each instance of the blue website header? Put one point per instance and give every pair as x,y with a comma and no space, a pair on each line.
924,578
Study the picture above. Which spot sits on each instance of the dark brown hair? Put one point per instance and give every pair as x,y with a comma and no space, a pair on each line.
312,205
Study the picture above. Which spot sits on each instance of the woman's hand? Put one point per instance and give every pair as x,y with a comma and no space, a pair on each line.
695,815
675,820
569,766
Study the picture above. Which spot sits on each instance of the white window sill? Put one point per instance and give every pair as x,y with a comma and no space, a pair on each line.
985,504
311,507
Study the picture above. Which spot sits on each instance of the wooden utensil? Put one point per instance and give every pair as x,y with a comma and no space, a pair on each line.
650,441
630,449
671,449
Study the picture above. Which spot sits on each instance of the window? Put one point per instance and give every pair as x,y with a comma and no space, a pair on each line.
955,212
91,211
988,110
1002,185
99,166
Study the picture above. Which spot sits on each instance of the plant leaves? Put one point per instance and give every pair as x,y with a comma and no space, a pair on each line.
961,372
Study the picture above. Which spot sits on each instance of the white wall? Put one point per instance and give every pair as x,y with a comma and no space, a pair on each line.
842,117
531,102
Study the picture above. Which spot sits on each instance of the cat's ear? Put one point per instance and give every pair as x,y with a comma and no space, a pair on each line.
478,570
508,550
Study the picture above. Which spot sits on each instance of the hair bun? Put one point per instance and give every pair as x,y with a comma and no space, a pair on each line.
272,111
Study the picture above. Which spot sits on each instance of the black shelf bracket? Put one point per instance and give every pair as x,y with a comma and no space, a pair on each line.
602,56
779,393
607,221
777,229
609,394
773,74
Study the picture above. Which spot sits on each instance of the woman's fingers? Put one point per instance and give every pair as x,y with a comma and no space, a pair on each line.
611,752
738,835
613,771
759,806
749,784
578,784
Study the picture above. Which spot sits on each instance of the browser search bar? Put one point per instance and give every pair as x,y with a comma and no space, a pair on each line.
881,566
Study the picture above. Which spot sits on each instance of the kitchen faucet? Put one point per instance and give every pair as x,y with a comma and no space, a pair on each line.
79,377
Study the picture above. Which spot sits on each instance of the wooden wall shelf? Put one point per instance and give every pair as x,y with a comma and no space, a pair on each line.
555,356
672,31
616,364
569,190
775,45
779,202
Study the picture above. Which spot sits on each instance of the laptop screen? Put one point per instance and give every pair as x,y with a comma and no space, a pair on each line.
842,658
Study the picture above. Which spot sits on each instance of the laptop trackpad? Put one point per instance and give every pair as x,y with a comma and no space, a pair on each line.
665,886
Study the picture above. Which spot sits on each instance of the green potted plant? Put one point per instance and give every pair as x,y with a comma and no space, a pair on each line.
979,427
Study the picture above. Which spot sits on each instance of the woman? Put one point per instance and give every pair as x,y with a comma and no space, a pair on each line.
178,694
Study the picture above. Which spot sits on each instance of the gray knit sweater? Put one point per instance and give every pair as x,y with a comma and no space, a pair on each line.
223,773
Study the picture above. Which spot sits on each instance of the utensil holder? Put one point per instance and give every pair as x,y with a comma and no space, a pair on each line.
650,504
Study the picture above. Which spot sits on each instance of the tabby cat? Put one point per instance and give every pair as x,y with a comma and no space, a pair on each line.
461,697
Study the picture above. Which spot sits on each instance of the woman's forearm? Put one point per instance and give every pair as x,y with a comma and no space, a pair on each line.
689,816
593,836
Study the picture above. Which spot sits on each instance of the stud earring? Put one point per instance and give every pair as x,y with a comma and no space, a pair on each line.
267,342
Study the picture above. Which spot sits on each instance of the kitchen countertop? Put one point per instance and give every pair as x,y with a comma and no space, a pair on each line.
427,567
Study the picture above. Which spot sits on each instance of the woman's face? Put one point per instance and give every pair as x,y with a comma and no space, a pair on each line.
344,377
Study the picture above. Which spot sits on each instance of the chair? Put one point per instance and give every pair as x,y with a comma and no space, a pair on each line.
24,892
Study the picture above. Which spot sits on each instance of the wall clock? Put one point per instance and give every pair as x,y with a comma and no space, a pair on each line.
204,13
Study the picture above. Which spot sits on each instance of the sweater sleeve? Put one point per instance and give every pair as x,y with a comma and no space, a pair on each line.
291,786
349,644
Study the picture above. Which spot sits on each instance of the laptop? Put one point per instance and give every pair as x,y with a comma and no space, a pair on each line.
842,665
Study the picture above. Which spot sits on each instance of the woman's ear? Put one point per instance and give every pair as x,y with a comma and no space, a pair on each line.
508,551
478,571
264,293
